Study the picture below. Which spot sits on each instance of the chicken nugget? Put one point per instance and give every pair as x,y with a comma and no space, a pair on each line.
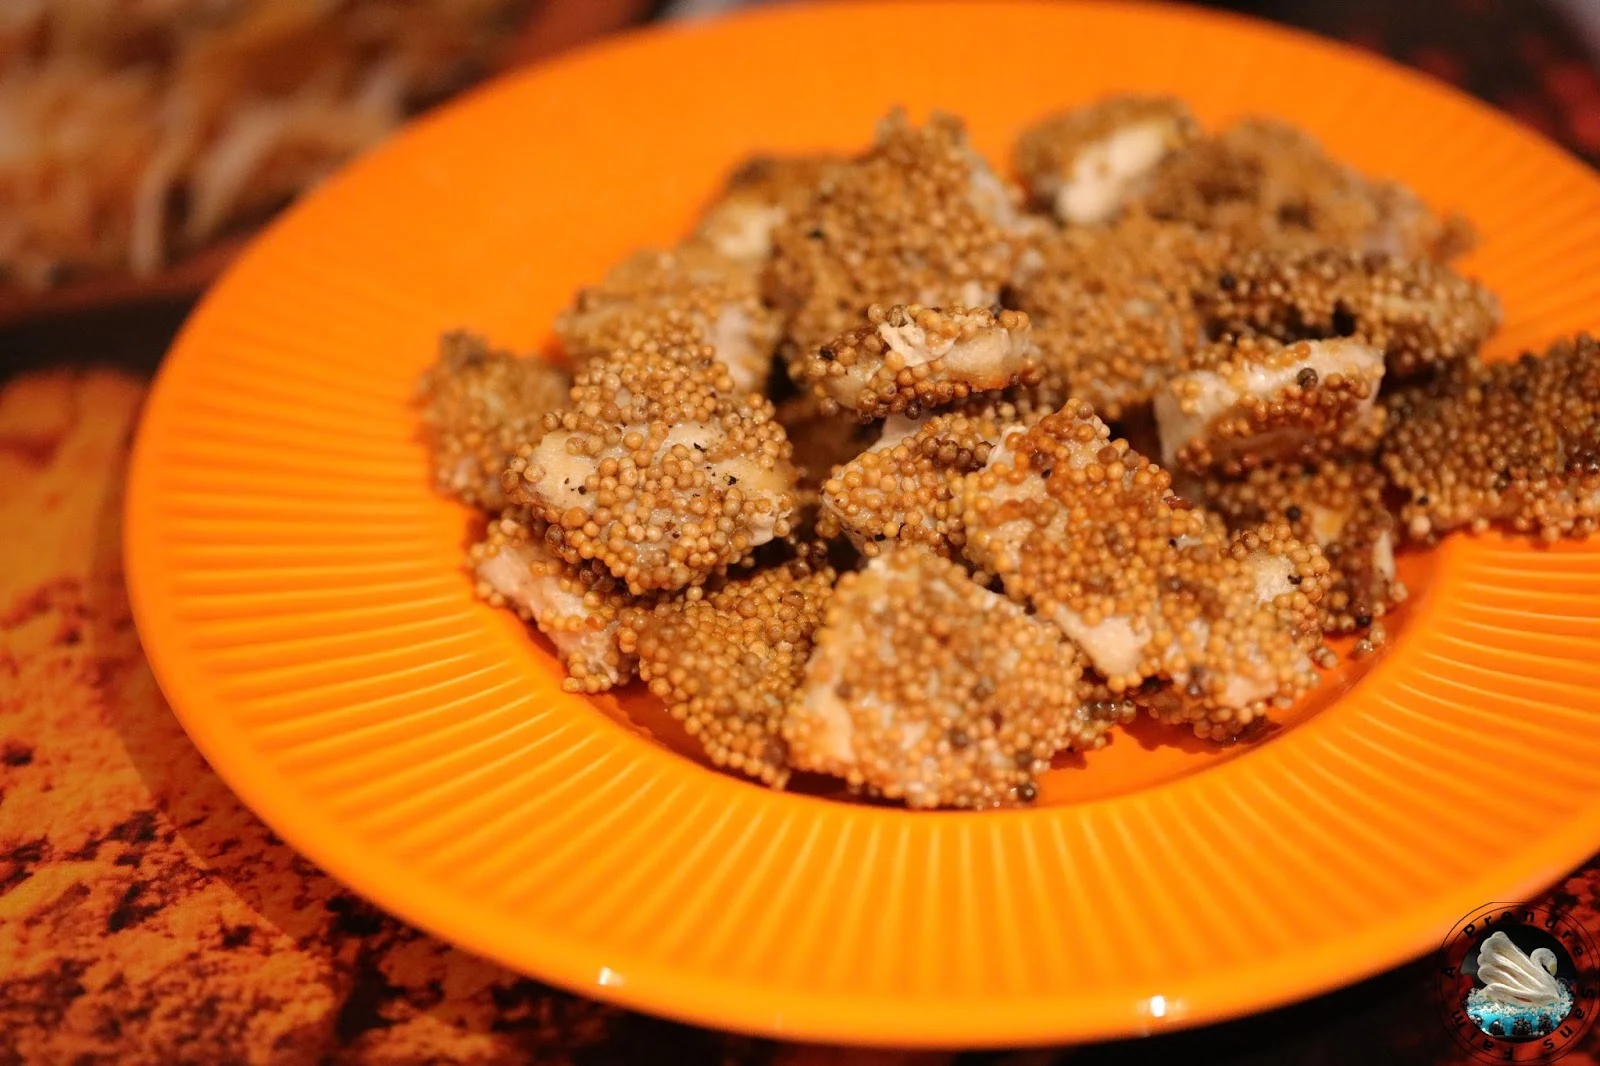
757,198
577,607
1419,313
691,286
1511,442
728,664
1338,506
1085,164
907,486
920,218
1112,307
927,687
658,468
911,359
1255,401
478,406
1087,532
1267,182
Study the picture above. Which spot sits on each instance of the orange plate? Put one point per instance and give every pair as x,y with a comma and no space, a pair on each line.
299,592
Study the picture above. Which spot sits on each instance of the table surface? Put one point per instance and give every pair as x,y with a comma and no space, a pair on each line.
147,916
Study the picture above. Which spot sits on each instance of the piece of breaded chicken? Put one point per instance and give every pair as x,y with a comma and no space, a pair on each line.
478,406
1112,307
1419,313
920,218
1255,401
659,468
728,664
1085,164
1087,532
758,197
1339,507
906,486
912,359
577,607
1291,574
1267,182
1515,443
927,687
688,286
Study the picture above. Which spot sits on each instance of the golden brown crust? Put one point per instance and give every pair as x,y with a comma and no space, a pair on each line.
689,287
1112,309
478,406
927,687
907,487
920,218
1514,442
1255,401
658,468
1266,182
911,359
1338,506
728,664
760,195
1088,533
1102,704
1418,312
515,567
1086,163
1292,575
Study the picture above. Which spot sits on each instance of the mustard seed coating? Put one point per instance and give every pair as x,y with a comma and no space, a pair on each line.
728,664
1089,533
910,359
920,218
1291,573
1254,400
478,406
1513,442
577,607
758,197
1266,182
1112,307
1418,312
692,286
1291,579
658,468
1338,506
927,687
907,486
1085,164
1103,705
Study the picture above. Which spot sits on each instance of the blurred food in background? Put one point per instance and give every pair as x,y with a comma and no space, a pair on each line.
141,141
135,131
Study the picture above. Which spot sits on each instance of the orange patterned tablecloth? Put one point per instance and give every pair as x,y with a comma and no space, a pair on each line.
146,916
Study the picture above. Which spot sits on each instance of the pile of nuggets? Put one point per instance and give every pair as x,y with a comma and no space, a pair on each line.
901,472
